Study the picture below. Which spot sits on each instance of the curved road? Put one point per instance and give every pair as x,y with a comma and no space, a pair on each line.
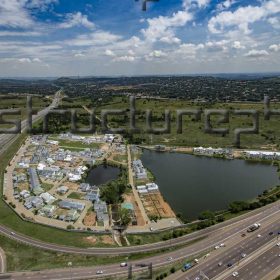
231,237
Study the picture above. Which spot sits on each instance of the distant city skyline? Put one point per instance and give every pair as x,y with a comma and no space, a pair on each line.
54,38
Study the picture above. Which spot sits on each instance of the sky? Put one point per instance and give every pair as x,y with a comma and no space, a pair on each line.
51,38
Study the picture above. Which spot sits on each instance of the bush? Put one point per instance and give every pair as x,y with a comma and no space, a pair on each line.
172,270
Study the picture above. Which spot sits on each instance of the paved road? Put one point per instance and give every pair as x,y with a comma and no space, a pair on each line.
229,235
249,245
7,139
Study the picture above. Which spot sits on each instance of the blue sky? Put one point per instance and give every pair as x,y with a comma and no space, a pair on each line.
98,37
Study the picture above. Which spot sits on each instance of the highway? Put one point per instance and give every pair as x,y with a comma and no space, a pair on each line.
7,139
216,267
228,232
231,236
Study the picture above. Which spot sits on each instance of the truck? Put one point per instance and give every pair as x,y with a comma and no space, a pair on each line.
187,266
253,227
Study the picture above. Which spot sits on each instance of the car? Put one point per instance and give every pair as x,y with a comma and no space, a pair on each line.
259,236
99,272
123,264
197,278
279,255
169,258
220,264
229,265
278,244
243,255
271,233
196,261
216,247
152,229
243,234
207,255
222,245
235,274
12,233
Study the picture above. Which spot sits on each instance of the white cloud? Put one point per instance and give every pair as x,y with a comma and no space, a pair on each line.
225,5
187,4
243,16
77,19
163,26
79,55
157,54
257,53
217,46
125,58
94,39
275,22
274,47
19,34
110,53
237,45
14,14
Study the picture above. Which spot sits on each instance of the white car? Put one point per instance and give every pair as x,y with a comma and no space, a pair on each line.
243,255
12,233
278,244
235,274
216,247
99,272
123,264
169,258
220,264
259,236
196,261
222,245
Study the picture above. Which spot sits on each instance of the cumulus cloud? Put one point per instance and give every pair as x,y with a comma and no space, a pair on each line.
274,48
109,53
243,16
162,27
77,19
225,5
256,53
237,45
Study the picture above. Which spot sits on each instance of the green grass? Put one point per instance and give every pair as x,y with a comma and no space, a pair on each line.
24,257
76,195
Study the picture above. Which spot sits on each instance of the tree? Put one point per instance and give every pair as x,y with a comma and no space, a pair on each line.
238,206
125,217
206,215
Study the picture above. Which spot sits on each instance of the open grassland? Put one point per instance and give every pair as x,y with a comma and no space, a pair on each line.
193,131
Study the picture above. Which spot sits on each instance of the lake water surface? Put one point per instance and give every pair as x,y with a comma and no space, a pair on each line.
100,175
192,184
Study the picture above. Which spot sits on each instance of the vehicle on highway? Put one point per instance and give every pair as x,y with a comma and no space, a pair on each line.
278,244
243,234
222,245
187,266
207,255
123,264
99,272
196,261
235,274
12,233
229,265
216,247
220,264
259,236
243,255
169,258
253,227
271,233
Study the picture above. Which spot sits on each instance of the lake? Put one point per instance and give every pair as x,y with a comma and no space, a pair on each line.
192,184
100,175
